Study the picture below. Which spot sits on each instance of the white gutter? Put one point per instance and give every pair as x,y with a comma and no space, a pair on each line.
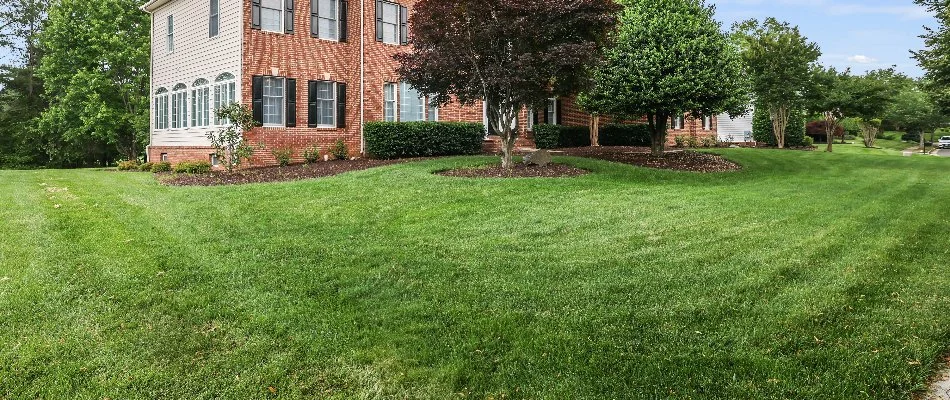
362,74
153,5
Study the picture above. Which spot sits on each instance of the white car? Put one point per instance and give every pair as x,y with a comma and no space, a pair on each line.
944,143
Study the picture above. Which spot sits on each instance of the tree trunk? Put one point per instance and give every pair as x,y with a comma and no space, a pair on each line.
831,125
923,143
595,130
657,133
779,114
502,117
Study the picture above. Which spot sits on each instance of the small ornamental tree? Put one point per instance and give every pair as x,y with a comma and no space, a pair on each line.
779,61
510,54
228,143
670,57
873,94
829,95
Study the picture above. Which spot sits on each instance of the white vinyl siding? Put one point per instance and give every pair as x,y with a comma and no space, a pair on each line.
390,23
389,102
328,20
273,101
272,15
196,56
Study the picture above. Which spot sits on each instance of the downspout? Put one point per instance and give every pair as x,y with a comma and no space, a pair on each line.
362,74
151,85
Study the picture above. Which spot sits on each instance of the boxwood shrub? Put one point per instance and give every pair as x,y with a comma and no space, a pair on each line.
193,167
388,140
624,135
559,136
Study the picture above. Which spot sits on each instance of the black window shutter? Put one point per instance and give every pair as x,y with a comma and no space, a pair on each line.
291,102
341,105
537,117
403,25
255,14
315,18
257,99
379,21
312,104
544,114
557,112
343,15
289,17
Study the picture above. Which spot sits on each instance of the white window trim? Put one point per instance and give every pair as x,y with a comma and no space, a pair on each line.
217,20
430,115
207,107
395,101
182,121
170,35
336,98
424,105
398,6
283,14
552,106
161,118
336,18
283,103
223,87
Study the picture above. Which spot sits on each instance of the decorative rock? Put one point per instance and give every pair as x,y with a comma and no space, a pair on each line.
540,158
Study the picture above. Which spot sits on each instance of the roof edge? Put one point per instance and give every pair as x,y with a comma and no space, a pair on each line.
153,5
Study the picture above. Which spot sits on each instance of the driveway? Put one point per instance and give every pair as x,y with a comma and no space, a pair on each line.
942,153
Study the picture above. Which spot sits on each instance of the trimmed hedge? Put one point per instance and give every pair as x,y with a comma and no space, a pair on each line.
389,140
558,136
625,135
193,167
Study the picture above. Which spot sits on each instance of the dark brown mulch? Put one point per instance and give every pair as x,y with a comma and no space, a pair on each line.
275,174
673,160
518,171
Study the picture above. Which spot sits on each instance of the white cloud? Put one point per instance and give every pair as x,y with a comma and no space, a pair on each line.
862,59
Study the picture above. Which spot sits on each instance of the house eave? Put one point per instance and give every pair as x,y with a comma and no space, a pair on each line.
153,5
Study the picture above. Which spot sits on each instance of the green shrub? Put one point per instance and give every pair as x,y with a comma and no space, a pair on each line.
161,167
692,142
146,167
193,167
130,165
808,141
339,150
680,141
625,135
311,154
559,136
282,156
709,141
389,140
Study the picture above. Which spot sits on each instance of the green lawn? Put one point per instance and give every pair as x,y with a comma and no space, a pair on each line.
395,283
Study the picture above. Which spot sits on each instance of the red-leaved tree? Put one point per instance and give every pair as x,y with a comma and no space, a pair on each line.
511,54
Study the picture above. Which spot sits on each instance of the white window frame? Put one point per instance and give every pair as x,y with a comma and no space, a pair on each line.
707,123
214,18
213,159
432,111
678,123
283,102
530,120
225,94
551,111
333,108
170,35
280,20
161,109
335,20
163,157
391,106
201,104
179,107
420,114
396,24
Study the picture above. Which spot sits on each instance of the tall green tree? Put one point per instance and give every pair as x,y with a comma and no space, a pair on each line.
510,54
872,94
670,57
779,61
96,70
21,91
829,95
914,111
935,58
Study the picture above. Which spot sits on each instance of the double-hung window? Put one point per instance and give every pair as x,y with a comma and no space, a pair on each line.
200,103
225,93
273,101
411,104
325,19
391,23
213,18
551,112
180,106
170,38
433,111
678,123
325,99
161,109
272,15
389,102
707,123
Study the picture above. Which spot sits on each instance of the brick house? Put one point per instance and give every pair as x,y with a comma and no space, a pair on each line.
313,71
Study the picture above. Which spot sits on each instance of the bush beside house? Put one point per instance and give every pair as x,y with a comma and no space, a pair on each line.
389,140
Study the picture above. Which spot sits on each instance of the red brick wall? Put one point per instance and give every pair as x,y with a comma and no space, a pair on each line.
179,154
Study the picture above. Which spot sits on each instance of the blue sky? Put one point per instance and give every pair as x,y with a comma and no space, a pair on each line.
861,34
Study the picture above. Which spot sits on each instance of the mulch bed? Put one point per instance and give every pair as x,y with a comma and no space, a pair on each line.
518,171
275,174
673,160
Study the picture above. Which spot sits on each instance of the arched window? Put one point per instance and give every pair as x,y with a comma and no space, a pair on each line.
161,109
201,103
180,106
225,93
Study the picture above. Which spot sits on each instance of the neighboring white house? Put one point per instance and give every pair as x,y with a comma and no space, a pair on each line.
738,130
196,67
